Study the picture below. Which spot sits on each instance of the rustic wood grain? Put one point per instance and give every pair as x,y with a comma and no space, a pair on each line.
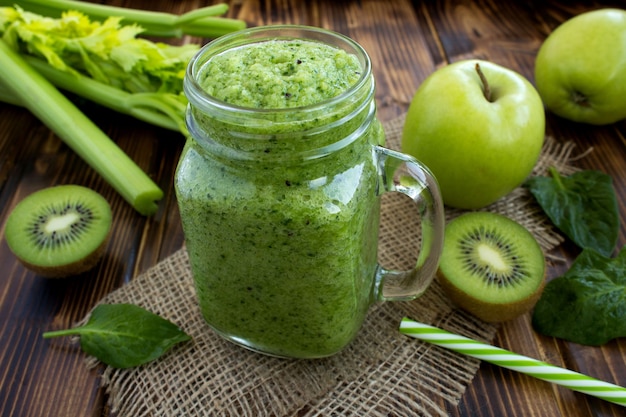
407,40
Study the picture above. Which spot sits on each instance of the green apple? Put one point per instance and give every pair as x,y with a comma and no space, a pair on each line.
479,127
580,70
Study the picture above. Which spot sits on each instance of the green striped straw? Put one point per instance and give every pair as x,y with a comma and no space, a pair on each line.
507,359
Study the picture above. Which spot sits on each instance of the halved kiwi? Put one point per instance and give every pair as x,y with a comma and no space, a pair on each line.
59,231
491,266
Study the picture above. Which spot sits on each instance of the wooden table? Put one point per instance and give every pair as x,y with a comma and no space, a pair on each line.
407,41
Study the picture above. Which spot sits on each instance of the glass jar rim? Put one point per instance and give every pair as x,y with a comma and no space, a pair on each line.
200,98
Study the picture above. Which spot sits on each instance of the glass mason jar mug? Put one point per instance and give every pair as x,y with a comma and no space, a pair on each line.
279,189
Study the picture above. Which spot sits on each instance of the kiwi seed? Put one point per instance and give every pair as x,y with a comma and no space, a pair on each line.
491,266
59,231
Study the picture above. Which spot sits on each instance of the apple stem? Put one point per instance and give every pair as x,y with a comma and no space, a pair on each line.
483,79
580,99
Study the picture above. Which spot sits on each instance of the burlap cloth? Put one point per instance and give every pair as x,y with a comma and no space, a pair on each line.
382,373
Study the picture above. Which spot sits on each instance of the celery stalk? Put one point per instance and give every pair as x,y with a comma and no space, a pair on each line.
154,108
77,131
202,22
7,96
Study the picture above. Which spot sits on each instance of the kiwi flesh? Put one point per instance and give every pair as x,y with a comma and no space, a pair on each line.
59,231
491,266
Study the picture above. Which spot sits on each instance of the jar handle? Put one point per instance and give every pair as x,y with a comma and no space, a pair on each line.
402,173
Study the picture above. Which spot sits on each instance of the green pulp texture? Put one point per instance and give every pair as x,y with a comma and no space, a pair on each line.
280,74
283,254
283,265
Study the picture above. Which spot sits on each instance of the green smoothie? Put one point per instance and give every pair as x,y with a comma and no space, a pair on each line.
282,245
280,74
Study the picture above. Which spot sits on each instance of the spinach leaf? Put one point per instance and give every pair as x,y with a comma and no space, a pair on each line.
586,305
583,206
125,335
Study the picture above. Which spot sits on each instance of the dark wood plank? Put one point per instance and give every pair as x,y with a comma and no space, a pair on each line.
49,378
407,40
469,31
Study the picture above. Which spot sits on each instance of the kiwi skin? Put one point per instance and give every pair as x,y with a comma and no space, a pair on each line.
67,270
495,311
490,312
89,238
